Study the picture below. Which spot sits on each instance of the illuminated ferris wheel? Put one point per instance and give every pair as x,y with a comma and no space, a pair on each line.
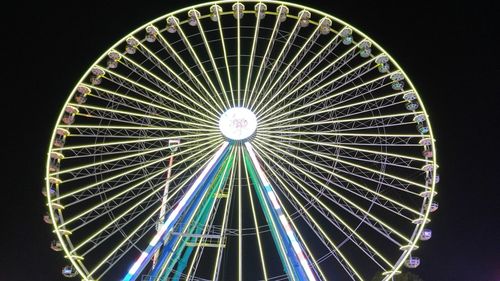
231,140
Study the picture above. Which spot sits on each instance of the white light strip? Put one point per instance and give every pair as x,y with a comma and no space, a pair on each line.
138,262
175,213
284,222
271,195
262,176
188,194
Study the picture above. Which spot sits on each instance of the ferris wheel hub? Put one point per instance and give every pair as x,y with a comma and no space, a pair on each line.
238,123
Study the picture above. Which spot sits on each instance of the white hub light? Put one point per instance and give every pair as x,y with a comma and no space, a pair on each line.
238,123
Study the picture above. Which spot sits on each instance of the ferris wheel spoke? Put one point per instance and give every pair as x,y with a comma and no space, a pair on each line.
321,183
352,141
337,175
169,72
325,206
360,109
103,170
149,197
238,56
217,8
120,195
212,60
361,119
116,130
132,216
356,128
97,116
197,189
134,114
286,48
345,147
322,208
327,213
167,46
355,140
347,109
171,196
106,153
180,62
215,92
129,241
148,92
329,97
325,239
161,84
380,178
225,221
332,247
134,168
314,264
314,87
116,159
117,162
256,224
314,62
346,206
130,146
106,202
122,116
165,69
301,53
213,210
136,104
359,190
289,42
117,101
382,137
173,254
121,144
292,65
273,225
141,165
265,58
375,159
328,87
262,108
406,160
307,69
252,57
372,159
240,215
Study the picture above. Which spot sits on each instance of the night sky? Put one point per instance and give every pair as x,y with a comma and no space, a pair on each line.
450,51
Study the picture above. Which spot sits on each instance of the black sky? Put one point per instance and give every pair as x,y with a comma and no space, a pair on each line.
450,51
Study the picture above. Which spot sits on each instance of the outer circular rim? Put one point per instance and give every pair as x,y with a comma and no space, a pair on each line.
418,230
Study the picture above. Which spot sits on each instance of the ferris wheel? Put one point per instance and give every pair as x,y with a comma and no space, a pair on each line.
231,140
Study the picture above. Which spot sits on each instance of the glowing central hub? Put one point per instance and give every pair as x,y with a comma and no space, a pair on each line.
238,123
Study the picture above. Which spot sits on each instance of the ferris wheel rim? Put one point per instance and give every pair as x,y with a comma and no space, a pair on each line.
54,212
